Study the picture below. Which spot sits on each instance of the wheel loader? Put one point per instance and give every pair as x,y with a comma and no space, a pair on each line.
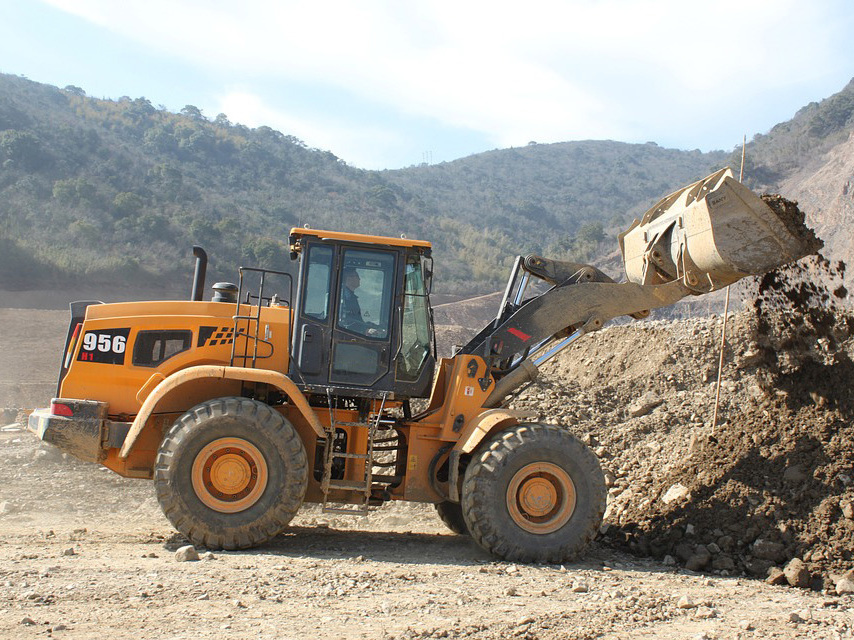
284,389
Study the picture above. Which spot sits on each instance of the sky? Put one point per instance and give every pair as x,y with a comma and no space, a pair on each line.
385,84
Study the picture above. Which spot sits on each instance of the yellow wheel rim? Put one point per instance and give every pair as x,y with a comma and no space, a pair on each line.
229,475
541,497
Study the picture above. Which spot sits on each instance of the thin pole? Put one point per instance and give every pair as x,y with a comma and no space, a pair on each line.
726,313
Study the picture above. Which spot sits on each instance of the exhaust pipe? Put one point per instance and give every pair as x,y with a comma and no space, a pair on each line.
200,273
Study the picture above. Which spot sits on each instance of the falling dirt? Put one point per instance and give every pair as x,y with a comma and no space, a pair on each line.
774,482
794,219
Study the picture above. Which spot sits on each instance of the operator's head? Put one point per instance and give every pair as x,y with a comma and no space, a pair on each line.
351,278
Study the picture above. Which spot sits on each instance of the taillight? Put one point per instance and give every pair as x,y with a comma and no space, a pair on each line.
59,409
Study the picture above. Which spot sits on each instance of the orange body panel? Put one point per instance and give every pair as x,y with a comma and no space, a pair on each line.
120,385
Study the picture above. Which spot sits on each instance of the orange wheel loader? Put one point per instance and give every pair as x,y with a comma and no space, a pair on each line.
284,389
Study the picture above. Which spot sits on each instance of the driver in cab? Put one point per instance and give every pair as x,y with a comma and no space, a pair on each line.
350,314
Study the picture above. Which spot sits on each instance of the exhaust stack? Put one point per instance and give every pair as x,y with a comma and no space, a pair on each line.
199,273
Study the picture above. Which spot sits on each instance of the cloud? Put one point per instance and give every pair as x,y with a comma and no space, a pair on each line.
364,146
555,70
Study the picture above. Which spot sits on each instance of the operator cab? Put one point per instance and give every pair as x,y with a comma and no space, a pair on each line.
362,322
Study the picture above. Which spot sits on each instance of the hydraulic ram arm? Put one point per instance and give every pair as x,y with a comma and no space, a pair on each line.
696,240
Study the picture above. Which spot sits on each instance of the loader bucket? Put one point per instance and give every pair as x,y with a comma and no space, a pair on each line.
713,233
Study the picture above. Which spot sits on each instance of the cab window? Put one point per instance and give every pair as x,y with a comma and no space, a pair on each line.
365,293
316,298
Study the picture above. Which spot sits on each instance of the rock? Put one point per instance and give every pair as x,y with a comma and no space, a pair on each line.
758,567
668,561
767,550
675,492
684,551
803,615
208,556
186,553
705,613
794,474
69,552
644,405
699,559
776,576
6,508
713,548
580,587
28,622
847,510
685,602
797,573
745,625
844,583
510,591
60,627
723,562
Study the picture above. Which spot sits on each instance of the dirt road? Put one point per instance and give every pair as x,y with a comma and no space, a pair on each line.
87,554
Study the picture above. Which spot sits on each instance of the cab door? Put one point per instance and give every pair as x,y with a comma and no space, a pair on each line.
313,328
362,333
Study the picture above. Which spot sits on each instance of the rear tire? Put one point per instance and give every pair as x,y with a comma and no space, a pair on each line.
231,473
534,493
451,514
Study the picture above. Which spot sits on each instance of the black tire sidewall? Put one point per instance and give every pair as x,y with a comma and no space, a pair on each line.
488,477
267,430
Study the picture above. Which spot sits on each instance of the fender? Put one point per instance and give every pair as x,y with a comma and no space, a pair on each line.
485,423
174,381
473,434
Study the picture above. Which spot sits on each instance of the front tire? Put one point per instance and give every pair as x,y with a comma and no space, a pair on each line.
534,493
231,473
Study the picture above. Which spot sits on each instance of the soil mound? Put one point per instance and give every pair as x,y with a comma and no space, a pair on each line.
775,480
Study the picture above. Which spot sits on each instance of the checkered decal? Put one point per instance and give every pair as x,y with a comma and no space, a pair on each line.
213,336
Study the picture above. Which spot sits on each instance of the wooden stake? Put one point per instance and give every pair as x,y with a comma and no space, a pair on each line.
726,313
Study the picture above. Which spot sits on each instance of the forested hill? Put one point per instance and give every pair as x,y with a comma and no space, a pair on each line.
114,192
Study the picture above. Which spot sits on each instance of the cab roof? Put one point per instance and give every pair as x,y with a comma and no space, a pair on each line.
298,232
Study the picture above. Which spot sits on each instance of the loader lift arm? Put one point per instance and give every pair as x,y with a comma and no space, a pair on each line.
696,240
582,299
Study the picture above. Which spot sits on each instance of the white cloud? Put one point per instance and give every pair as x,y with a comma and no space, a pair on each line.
553,70
362,146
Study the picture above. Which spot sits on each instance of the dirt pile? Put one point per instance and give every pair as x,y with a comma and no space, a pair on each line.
775,480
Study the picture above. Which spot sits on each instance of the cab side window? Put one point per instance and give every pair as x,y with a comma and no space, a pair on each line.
316,298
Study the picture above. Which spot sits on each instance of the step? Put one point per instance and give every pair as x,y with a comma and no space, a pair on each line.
357,456
349,485
353,511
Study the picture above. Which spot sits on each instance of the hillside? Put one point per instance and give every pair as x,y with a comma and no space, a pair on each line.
799,144
99,192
